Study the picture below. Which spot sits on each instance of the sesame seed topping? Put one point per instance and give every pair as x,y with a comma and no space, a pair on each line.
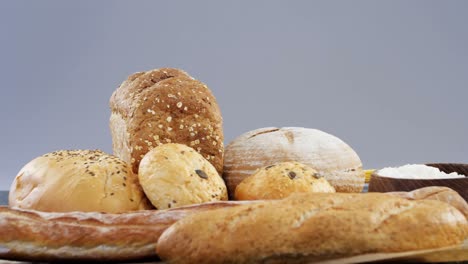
179,104
185,108
160,126
169,129
169,119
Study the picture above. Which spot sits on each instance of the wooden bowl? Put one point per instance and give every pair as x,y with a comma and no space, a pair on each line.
379,183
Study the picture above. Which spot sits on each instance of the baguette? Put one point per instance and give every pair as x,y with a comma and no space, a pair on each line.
85,236
312,227
438,193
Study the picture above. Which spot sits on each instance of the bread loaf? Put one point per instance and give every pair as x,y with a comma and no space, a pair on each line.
174,175
77,180
84,236
438,193
310,227
280,180
328,155
163,106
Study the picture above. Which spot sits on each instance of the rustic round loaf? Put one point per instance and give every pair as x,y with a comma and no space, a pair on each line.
165,106
328,155
77,180
173,175
281,180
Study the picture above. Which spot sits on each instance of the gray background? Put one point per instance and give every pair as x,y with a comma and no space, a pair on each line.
388,77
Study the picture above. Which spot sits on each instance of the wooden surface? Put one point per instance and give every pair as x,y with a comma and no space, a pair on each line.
3,197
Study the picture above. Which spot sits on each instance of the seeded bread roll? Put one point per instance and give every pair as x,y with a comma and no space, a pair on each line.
281,180
165,106
174,175
328,155
77,180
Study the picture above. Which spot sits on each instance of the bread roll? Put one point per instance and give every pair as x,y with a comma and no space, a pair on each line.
309,227
281,180
77,180
328,155
163,106
173,175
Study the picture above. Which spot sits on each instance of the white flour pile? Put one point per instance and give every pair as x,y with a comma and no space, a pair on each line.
417,171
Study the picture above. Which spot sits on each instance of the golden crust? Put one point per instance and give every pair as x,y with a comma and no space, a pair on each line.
280,180
312,226
40,236
165,106
438,193
77,180
174,175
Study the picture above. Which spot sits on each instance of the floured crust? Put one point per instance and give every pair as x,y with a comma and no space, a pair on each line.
165,106
312,226
41,236
330,156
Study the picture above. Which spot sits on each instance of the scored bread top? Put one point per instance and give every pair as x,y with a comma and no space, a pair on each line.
165,106
311,227
328,155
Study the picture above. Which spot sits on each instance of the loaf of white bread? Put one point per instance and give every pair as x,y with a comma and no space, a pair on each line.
332,158
304,228
165,106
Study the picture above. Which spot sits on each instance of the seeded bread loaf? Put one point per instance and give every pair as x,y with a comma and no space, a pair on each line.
165,106
304,228
77,180
173,175
332,158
